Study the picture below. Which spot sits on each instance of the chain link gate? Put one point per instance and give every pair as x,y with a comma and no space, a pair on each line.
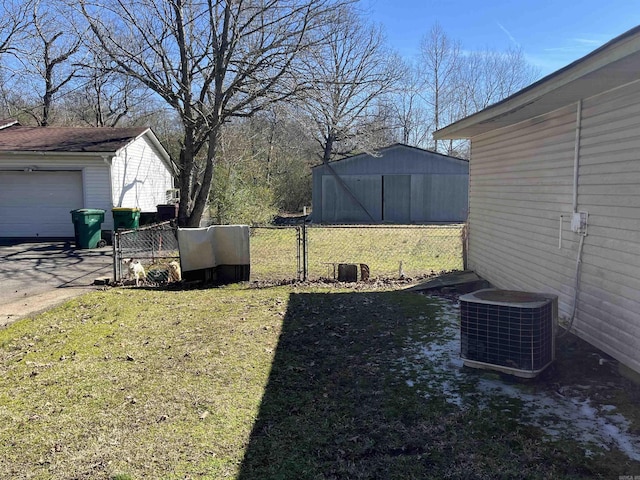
154,246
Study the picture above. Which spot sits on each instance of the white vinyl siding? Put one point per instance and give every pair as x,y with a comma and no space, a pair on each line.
521,181
98,191
610,191
139,177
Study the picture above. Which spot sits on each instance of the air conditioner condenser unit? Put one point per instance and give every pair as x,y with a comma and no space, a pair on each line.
508,331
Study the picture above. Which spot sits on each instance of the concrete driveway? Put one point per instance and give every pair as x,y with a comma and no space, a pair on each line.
37,276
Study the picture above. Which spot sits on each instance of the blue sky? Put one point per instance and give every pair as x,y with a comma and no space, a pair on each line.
551,33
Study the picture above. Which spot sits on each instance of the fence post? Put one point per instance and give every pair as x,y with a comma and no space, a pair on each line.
305,252
299,252
302,253
116,261
464,236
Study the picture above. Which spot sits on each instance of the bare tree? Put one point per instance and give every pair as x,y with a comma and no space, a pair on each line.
441,62
457,83
486,77
15,16
45,59
209,60
409,114
106,98
349,73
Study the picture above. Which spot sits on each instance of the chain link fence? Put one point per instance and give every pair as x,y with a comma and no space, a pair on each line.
388,251
276,253
313,252
154,246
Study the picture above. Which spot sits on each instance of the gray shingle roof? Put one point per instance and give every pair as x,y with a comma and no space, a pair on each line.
17,138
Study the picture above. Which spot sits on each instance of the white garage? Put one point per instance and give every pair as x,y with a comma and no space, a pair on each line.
37,204
45,172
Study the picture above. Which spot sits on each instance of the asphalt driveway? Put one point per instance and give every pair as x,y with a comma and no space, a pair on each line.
36,276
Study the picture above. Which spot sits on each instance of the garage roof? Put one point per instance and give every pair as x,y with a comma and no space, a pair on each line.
17,138
612,65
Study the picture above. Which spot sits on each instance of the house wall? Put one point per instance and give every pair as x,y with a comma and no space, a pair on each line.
521,181
95,174
139,178
402,185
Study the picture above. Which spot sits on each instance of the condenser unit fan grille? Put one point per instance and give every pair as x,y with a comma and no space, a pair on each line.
518,336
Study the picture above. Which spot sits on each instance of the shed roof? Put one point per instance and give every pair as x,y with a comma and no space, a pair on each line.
610,66
381,151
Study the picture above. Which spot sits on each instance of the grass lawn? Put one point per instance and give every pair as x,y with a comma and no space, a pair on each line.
275,383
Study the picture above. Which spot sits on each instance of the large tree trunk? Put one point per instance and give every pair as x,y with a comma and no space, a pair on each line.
202,197
183,185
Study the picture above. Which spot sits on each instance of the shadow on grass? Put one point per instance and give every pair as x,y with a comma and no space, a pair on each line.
337,404
330,408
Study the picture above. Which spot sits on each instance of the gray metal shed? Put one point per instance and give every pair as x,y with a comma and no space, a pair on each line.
400,184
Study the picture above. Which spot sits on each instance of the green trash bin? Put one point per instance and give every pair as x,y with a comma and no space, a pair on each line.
126,218
87,227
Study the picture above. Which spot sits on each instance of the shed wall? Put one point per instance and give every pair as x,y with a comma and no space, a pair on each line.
139,177
338,206
521,181
402,185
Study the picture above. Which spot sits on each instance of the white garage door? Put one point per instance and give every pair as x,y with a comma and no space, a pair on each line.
37,204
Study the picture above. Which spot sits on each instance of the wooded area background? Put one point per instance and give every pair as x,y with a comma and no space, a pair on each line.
245,95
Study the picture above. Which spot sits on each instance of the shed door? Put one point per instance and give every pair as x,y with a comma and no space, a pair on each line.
38,204
338,205
396,198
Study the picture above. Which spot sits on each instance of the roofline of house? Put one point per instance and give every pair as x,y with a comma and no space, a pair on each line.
393,145
8,122
617,49
148,132
46,153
